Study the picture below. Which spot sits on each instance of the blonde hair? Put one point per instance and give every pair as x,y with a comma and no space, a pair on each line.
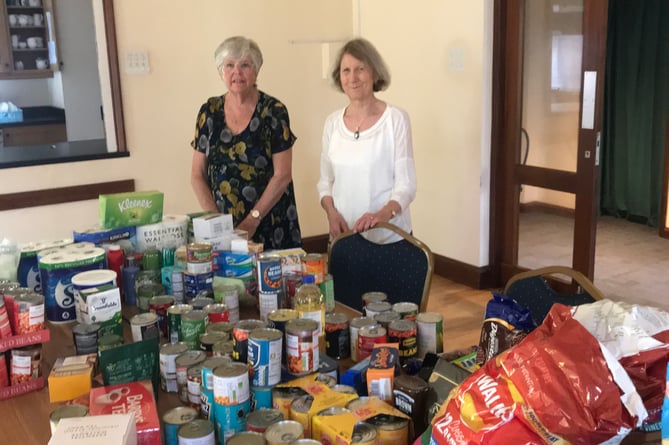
238,47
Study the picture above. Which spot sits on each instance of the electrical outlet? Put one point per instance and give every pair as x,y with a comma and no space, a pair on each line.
137,62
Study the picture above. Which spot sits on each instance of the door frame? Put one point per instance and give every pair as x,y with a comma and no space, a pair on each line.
507,174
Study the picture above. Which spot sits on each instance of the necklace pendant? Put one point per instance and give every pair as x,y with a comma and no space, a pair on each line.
356,135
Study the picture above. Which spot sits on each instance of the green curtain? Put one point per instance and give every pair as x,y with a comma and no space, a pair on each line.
636,104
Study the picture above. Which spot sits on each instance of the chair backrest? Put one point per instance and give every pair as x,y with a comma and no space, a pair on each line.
403,269
531,289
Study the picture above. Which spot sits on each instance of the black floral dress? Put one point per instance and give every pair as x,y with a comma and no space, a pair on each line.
239,166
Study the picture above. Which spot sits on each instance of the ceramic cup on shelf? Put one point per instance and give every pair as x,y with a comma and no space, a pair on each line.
38,19
15,41
18,65
23,45
23,20
13,20
41,63
35,3
34,42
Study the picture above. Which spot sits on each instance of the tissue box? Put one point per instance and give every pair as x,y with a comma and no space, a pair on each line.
11,116
130,209
114,429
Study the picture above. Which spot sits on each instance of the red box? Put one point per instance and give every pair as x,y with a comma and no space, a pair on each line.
136,398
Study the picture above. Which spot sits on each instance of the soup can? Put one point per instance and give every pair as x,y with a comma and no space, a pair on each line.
144,326
159,305
174,314
261,397
208,367
247,438
208,340
377,307
183,362
406,309
363,434
337,336
302,346
240,337
368,336
284,432
282,397
430,331
217,312
193,324
327,412
64,412
168,367
403,332
259,420
354,327
264,356
269,273
373,297
385,318
173,419
231,384
314,264
196,432
85,338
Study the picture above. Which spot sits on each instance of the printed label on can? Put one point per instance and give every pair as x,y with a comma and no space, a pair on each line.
231,388
264,357
269,273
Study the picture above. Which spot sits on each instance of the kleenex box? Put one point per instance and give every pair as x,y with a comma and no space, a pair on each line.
130,209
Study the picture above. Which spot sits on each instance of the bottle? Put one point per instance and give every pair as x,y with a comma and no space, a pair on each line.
310,303
152,259
129,272
9,260
115,263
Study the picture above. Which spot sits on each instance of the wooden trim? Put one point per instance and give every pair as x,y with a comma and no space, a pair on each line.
472,276
542,207
318,243
664,230
563,181
35,198
114,77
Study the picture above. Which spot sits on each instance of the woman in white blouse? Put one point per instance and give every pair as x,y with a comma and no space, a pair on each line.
367,167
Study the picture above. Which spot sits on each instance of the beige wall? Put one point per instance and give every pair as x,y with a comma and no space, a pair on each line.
450,110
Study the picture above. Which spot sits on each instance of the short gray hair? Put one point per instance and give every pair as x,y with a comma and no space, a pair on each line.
238,47
364,51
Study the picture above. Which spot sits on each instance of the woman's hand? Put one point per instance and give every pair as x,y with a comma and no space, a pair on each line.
369,220
336,223
250,224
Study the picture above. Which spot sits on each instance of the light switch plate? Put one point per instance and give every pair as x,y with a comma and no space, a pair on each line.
137,62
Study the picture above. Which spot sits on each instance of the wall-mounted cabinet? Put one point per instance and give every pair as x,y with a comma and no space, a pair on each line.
27,37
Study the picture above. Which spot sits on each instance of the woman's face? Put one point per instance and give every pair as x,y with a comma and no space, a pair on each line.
357,78
238,74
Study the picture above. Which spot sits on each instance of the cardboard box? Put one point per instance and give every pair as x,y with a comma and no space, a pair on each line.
101,305
445,376
130,398
130,209
115,429
212,226
71,377
383,363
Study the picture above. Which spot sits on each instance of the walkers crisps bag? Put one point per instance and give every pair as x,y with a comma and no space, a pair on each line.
558,386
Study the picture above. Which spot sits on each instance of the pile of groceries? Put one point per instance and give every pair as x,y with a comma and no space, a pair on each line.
297,371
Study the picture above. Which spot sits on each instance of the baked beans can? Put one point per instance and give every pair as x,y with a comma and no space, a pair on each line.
259,420
247,438
268,302
364,434
403,332
354,327
277,319
282,397
173,419
327,412
291,282
224,327
231,384
299,412
284,432
337,336
327,289
373,297
390,429
196,432
410,394
368,336
385,318
25,364
406,309
28,313
430,327
174,314
314,264
85,338
168,367
144,326
183,362
4,374
159,305
193,324
208,340
223,348
194,381
377,307
264,356
198,252
208,367
65,412
217,312
240,338
5,326
302,346
261,397
269,273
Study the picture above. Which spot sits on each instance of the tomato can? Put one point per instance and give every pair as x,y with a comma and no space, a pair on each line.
299,412
173,419
430,331
259,420
264,356
240,338
144,326
159,305
377,307
29,313
247,438
196,432
403,332
302,346
375,296
354,327
282,397
284,432
406,309
217,312
337,336
174,314
368,336
25,364
168,367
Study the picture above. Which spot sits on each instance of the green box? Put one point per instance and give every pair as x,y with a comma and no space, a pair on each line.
130,209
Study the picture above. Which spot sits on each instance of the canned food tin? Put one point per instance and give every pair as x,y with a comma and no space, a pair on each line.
231,419
217,312
337,338
345,389
25,364
368,336
377,307
277,319
223,348
196,432
302,346
314,264
206,266
173,419
430,331
375,296
223,327
358,403
258,421
240,336
291,281
168,367
147,291
85,338
264,356
174,314
269,273
207,410
363,434
406,309
196,283
109,341
208,367
384,318
159,305
327,380
327,412
391,429
306,442
261,397
229,295
299,411
64,412
208,340
403,332
144,326
194,381
268,302
247,438
327,289
284,432
193,324
410,394
354,327
282,397
28,313
5,326
231,384
201,301
183,362
199,252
